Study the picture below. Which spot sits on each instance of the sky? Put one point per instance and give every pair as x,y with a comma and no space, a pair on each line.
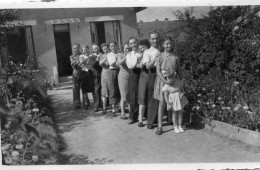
150,14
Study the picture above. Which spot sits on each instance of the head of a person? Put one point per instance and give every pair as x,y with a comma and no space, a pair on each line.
85,49
171,75
104,48
143,44
76,48
113,46
167,44
126,48
95,48
132,41
154,39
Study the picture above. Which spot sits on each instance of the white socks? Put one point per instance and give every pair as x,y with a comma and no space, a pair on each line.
178,129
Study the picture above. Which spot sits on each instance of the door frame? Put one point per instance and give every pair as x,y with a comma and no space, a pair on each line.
55,44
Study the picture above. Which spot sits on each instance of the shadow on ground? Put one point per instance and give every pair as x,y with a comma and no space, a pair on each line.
80,159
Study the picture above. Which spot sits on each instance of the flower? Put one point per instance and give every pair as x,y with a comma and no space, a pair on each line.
199,101
239,105
213,105
212,90
222,102
8,160
219,98
228,108
35,110
15,153
236,108
5,147
235,83
245,107
199,95
249,112
204,89
257,70
198,108
35,158
20,146
208,102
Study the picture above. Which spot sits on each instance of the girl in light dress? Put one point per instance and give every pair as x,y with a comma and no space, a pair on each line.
175,98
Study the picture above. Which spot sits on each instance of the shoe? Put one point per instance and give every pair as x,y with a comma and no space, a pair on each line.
130,121
140,124
159,131
114,113
86,107
149,126
96,110
176,130
123,117
104,111
180,129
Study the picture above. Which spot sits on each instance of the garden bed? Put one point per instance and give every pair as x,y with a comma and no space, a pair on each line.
244,135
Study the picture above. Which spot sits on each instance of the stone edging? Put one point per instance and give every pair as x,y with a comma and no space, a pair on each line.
247,136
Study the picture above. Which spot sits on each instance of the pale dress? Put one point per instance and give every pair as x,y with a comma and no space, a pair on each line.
176,98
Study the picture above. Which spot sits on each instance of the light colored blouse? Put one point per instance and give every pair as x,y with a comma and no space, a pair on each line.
132,58
86,61
112,60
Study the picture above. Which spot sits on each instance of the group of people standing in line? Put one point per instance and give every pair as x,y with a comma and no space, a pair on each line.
147,80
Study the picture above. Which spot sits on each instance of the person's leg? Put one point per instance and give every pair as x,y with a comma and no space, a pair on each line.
180,119
161,108
122,105
76,91
85,100
175,121
97,92
141,114
104,102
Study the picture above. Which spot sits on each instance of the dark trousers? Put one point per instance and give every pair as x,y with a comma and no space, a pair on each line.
97,91
133,89
152,107
113,86
76,90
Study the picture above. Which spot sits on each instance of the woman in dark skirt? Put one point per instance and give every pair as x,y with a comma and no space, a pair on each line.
87,84
112,59
132,60
143,46
75,63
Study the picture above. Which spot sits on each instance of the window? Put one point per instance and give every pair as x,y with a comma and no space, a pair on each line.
104,32
19,46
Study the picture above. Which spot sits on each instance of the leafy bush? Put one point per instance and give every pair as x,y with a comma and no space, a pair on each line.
29,136
221,57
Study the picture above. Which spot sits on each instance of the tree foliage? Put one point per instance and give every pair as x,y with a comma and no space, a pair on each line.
6,25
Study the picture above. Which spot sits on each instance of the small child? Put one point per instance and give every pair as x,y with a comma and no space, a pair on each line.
175,98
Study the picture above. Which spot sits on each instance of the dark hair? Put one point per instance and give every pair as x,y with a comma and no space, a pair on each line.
144,42
132,38
114,42
86,46
166,38
154,32
104,45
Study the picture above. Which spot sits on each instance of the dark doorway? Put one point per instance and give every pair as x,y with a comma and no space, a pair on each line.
101,33
63,49
16,44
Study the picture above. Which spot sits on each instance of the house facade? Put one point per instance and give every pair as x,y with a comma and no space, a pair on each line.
49,34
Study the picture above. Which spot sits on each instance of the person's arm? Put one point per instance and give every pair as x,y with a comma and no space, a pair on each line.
74,63
122,59
179,70
103,60
158,71
151,63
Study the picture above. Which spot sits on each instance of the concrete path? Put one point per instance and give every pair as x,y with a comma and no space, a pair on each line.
93,138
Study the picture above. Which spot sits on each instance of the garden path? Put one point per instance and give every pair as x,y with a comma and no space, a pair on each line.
93,138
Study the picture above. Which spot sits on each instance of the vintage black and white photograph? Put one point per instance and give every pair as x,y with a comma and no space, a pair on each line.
129,85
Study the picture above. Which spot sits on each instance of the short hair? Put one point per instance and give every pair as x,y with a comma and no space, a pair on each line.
94,44
104,45
132,38
113,41
154,32
144,42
